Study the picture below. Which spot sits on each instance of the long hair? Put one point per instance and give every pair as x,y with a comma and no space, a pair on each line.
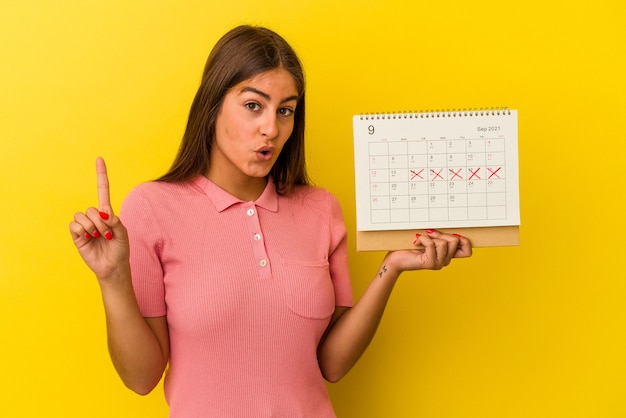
240,54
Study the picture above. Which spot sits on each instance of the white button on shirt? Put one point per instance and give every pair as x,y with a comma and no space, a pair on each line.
256,237
250,212
263,263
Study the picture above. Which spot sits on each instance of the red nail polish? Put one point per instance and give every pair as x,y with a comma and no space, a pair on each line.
415,242
87,236
104,215
96,234
418,235
108,235
457,235
430,231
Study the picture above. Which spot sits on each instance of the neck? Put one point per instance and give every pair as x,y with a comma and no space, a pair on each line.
247,190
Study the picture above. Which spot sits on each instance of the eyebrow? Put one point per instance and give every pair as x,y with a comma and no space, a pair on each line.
267,96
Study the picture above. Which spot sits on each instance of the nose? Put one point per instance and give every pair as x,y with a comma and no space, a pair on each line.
269,125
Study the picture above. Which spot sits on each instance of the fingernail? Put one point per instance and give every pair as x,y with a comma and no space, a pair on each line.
457,235
87,236
418,235
108,235
104,215
96,234
415,242
430,231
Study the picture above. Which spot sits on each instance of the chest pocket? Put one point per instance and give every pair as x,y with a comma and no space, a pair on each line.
308,288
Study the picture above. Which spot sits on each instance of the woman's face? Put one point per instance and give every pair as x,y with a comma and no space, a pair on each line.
254,123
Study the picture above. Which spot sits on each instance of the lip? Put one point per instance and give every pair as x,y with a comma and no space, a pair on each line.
265,153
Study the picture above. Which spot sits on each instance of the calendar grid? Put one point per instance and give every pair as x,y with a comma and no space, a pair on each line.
452,179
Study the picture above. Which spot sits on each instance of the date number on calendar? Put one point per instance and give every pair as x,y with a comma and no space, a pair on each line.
488,128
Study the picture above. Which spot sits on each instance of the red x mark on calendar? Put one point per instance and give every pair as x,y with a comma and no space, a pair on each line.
416,174
474,174
455,174
494,172
436,174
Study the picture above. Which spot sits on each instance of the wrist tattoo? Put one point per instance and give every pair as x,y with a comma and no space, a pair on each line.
382,270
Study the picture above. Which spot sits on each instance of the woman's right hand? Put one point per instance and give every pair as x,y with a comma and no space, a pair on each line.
99,236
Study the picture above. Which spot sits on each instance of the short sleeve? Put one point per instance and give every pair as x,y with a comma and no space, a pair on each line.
138,217
338,257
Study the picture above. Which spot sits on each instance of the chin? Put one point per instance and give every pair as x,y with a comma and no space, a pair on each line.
258,175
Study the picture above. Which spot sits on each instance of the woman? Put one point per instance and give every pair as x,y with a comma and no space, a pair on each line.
231,268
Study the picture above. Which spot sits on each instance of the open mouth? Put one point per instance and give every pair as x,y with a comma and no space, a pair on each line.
265,153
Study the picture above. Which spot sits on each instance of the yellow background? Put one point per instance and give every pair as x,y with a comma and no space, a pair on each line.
529,331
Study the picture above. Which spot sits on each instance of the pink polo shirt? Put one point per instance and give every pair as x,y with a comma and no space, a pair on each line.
248,289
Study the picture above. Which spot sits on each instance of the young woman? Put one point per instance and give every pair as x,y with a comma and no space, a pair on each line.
231,268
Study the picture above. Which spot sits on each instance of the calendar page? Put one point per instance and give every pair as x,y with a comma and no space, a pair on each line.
436,170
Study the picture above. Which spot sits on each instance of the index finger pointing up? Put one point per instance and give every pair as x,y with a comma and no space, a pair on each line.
104,199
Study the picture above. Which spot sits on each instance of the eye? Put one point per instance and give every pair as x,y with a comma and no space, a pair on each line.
286,111
253,106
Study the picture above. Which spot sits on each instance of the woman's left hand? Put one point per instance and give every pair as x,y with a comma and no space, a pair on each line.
437,252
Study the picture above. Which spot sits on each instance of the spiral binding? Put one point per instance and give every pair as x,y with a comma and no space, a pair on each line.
421,114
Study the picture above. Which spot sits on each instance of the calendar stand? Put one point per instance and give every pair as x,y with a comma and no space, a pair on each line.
497,236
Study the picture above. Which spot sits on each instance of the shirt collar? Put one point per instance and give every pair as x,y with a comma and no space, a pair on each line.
222,200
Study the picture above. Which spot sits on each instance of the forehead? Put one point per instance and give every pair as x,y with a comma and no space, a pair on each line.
278,81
